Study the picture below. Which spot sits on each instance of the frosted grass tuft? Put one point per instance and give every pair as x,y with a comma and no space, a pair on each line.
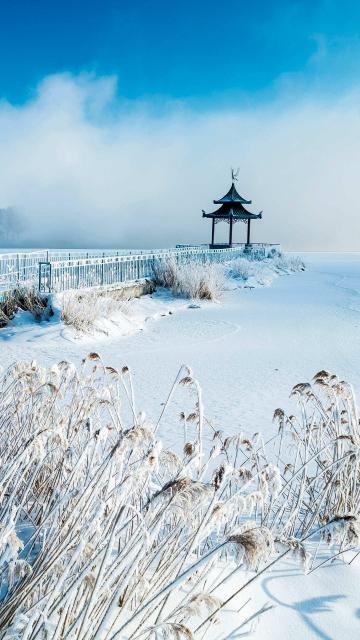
106,534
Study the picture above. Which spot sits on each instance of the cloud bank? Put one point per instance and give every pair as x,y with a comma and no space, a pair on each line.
80,167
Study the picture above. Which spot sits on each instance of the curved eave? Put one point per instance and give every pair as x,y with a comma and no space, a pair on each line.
225,199
234,216
232,196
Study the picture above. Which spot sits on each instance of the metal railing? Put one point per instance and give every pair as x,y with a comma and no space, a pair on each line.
60,270
16,268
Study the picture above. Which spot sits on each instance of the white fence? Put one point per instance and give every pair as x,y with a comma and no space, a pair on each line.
60,270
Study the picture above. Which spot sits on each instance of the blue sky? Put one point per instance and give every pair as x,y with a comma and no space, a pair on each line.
204,51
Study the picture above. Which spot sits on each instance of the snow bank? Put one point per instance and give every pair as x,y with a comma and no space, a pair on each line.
103,315
254,273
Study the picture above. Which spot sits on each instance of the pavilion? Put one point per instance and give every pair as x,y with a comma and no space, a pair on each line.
231,210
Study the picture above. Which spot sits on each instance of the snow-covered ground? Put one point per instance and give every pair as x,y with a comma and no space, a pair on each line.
247,352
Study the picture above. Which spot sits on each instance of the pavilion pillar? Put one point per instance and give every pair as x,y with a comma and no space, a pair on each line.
248,232
213,231
230,230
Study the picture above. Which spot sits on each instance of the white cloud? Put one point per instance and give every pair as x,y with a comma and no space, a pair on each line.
82,168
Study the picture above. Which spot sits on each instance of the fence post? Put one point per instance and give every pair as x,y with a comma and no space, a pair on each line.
45,276
102,271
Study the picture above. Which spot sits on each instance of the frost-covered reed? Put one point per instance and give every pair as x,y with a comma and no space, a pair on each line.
265,270
84,311
106,535
191,279
24,298
289,263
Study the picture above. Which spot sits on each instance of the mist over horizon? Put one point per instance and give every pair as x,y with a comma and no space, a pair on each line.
81,167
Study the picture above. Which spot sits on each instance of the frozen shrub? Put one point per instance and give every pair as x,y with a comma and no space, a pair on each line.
165,272
84,310
26,299
4,319
274,252
241,268
191,279
288,263
263,272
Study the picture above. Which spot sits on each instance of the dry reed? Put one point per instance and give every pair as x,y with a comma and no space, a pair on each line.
84,311
25,299
191,279
105,535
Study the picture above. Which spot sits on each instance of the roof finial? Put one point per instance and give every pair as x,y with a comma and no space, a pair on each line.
234,174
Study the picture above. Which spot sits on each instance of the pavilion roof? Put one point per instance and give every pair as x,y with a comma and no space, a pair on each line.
233,210
232,196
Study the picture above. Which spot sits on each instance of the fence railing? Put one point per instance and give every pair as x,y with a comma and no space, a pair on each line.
54,271
16,268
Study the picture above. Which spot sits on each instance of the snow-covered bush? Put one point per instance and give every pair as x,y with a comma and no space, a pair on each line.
84,310
29,299
165,272
264,271
25,299
242,268
274,252
191,279
286,262
4,318
104,534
